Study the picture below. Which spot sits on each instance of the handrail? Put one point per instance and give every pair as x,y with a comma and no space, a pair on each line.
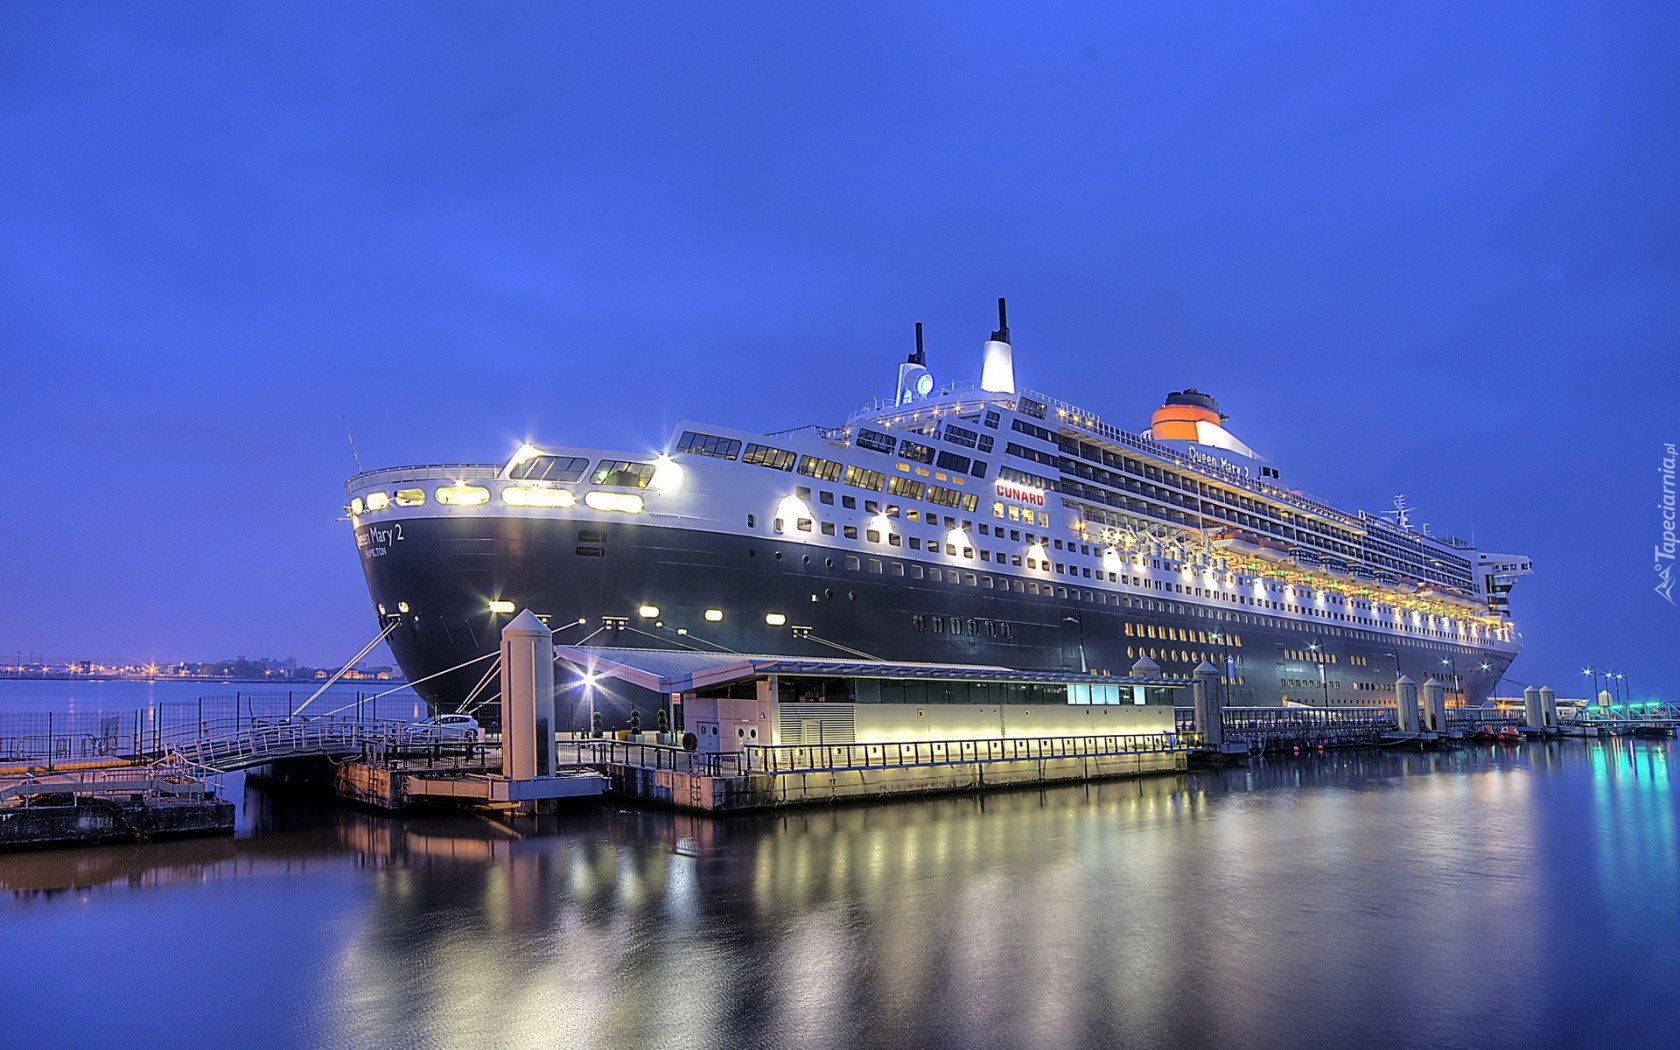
425,472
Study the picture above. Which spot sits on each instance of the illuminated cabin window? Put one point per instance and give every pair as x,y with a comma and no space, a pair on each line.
802,524
768,456
410,497
526,496
356,506
905,488
616,501
621,473
821,469
549,468
378,501
463,495
915,452
865,479
709,445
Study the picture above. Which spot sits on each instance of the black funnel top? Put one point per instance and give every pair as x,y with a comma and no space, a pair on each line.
919,357
1002,334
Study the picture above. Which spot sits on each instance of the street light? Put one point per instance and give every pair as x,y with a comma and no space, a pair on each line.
1453,669
1225,675
1075,621
1322,684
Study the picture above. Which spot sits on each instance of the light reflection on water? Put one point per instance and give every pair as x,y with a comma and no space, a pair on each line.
1462,899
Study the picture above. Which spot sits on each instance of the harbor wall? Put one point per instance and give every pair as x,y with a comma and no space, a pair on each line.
97,820
729,794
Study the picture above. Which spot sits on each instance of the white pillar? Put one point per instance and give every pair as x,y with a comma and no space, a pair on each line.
1435,706
1548,705
1208,702
1534,712
1406,703
527,698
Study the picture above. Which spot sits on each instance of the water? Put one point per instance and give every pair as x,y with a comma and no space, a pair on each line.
1519,896
92,697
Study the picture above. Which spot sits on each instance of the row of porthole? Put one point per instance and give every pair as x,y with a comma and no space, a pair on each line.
1181,655
512,495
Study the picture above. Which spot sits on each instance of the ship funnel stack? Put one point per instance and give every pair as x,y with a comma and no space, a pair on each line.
997,373
914,379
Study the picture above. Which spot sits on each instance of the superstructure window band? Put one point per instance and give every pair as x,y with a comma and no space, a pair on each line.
709,445
549,468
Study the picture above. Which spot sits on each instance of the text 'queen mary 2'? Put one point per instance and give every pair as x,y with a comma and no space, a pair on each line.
960,522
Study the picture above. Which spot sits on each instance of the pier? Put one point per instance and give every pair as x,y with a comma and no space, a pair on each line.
745,733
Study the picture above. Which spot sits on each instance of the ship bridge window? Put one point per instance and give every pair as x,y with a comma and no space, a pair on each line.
961,436
622,474
410,497
913,451
821,469
709,445
378,501
875,440
768,456
549,468
954,463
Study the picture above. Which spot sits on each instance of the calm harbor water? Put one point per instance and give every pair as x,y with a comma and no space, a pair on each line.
1522,896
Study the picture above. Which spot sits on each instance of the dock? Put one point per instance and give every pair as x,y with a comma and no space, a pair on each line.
124,804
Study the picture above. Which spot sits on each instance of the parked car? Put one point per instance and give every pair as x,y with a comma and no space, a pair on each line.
446,727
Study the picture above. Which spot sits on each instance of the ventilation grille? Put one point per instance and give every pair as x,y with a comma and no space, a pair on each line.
816,724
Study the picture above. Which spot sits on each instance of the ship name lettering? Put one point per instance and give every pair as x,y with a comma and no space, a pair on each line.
1019,494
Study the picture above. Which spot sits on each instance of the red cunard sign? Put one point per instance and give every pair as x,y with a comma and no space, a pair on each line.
1020,493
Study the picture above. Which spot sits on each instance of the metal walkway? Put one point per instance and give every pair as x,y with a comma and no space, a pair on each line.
235,744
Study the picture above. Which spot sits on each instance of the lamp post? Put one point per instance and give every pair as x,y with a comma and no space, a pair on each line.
1323,684
1594,676
1225,675
1075,621
1396,664
1452,668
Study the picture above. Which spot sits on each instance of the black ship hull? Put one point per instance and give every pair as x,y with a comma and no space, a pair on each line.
640,585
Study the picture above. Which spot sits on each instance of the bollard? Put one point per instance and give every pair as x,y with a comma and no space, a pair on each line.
1534,712
1548,706
527,698
1406,703
1207,705
1435,706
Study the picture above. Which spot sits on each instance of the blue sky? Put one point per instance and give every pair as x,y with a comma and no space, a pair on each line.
1430,248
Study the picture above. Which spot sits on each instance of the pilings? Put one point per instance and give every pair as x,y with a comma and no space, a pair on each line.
1548,706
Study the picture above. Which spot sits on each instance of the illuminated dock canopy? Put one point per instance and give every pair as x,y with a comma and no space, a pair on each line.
681,671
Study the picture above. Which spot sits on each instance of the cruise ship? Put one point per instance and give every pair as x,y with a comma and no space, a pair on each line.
958,522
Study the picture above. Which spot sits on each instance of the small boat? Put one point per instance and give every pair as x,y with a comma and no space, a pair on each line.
1509,735
1485,733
